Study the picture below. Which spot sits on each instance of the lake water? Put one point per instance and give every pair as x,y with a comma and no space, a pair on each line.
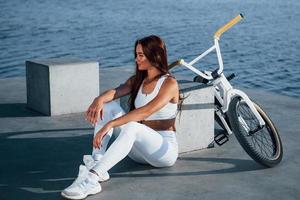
262,50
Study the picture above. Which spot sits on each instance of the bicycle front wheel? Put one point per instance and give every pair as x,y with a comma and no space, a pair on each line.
262,144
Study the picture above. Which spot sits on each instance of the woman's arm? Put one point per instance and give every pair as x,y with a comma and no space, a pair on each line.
96,108
116,93
165,95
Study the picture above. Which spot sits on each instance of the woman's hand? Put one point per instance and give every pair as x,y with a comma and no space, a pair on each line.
94,111
97,142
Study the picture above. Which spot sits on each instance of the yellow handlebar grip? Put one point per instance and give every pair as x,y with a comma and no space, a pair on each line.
173,64
228,26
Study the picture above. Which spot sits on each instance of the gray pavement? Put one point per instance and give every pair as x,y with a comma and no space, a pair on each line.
40,156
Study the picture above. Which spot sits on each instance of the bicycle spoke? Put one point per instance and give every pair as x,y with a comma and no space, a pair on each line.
259,145
263,137
269,141
264,146
260,140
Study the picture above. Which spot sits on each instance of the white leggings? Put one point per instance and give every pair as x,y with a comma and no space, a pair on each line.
138,141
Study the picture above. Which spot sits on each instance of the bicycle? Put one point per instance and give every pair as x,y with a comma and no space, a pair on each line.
235,112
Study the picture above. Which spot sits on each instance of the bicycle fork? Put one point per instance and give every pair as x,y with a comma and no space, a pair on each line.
224,94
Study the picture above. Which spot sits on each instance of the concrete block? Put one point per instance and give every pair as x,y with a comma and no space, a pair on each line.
195,123
61,86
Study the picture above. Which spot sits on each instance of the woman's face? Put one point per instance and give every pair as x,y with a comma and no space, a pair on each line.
141,60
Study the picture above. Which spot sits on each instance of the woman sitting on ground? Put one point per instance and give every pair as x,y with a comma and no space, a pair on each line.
146,133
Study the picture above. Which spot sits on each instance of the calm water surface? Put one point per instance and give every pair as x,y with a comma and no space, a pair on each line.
263,50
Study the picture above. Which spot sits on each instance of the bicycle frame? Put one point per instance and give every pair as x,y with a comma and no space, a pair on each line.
224,92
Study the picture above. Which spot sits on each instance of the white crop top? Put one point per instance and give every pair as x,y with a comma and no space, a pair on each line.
169,111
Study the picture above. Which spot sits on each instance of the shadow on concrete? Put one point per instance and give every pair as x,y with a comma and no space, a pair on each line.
238,166
46,133
17,110
40,167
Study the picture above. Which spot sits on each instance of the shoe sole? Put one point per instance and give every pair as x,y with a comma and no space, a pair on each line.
80,197
90,167
104,180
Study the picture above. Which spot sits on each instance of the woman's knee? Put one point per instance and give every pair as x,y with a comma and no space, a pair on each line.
109,106
129,129
113,109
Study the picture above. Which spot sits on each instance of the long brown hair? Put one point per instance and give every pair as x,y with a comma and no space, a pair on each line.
155,51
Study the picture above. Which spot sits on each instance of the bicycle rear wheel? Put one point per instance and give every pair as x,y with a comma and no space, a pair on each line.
262,144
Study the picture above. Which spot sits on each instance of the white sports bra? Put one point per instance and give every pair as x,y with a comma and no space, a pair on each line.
169,111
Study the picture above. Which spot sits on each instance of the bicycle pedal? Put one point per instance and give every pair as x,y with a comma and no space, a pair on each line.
221,138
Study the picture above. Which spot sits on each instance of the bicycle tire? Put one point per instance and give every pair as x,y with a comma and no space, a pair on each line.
247,139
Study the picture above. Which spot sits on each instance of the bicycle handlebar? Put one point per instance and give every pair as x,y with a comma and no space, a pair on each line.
211,75
228,26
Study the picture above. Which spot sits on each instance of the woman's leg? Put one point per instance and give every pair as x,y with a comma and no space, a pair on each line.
136,137
111,110
136,156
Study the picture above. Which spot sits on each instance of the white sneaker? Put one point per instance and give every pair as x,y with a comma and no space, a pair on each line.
87,187
89,162
82,174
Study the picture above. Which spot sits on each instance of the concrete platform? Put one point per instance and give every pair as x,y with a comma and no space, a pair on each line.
40,155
